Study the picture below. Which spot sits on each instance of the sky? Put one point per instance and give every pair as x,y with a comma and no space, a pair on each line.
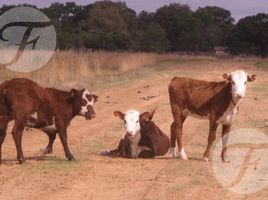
238,8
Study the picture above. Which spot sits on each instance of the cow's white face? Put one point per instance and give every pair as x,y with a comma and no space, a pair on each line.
87,101
239,80
132,122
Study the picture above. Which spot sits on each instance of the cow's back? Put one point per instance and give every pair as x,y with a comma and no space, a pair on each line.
151,134
194,95
58,101
23,95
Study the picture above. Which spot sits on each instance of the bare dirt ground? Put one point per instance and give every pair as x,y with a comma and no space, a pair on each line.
96,177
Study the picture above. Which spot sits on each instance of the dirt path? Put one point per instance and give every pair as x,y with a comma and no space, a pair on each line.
96,177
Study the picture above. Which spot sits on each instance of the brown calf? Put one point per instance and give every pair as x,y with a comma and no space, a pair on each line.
51,110
216,101
142,137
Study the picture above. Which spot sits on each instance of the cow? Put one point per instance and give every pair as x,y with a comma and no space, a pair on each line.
216,101
48,109
142,138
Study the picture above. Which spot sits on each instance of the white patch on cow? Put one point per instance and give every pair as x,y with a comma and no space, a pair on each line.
229,115
84,109
50,128
225,140
34,115
183,155
238,80
172,152
123,136
132,131
29,123
135,148
187,113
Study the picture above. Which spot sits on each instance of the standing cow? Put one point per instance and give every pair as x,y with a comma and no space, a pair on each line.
50,110
217,101
142,138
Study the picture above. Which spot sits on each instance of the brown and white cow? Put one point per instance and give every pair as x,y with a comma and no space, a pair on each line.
142,138
50,110
216,101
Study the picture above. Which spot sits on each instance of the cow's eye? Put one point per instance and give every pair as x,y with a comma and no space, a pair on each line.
245,82
125,121
137,121
84,102
233,82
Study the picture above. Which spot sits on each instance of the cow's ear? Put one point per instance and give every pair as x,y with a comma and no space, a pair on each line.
227,77
119,114
73,92
95,97
148,116
251,77
73,95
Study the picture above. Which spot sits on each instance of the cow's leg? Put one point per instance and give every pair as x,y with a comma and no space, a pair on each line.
3,127
51,138
172,149
17,136
114,152
225,135
211,138
146,154
63,139
176,133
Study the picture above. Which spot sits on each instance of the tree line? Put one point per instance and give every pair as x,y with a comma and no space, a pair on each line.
175,27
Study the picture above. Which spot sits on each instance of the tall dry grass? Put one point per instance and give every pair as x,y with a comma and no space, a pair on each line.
74,66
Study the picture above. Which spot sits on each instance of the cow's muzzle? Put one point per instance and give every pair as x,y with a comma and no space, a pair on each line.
90,114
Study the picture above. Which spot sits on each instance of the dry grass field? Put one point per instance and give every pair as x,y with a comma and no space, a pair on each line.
125,81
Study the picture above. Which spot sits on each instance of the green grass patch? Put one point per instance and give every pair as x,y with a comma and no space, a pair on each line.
93,146
263,64
51,164
257,124
260,88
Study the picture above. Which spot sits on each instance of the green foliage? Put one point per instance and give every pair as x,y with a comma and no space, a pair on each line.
250,35
113,26
173,19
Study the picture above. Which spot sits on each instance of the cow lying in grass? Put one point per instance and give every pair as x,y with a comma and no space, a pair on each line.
50,110
216,101
142,137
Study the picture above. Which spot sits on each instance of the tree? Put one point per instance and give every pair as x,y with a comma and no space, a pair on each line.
172,19
251,35
154,39
215,25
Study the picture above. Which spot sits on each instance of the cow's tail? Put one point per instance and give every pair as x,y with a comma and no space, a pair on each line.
4,106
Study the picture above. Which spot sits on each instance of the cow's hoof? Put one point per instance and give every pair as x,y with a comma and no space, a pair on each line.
21,161
172,153
184,157
71,158
105,153
225,160
205,159
46,151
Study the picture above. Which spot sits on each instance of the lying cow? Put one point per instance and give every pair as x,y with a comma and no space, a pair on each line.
142,138
217,101
50,110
